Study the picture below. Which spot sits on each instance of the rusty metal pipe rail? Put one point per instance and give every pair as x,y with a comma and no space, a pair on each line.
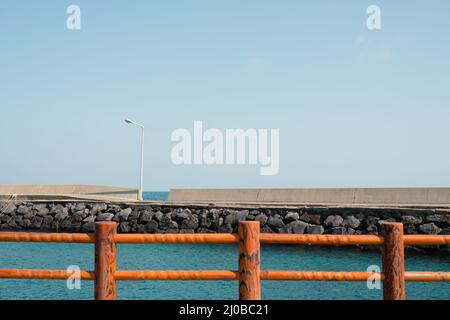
224,238
195,275
249,275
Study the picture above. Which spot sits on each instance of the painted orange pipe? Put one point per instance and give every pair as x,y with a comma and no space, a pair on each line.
417,276
275,275
414,276
314,275
426,240
324,239
176,275
43,274
46,237
178,238
265,238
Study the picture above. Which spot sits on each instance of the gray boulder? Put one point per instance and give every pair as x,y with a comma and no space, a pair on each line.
36,223
89,219
61,215
262,218
291,216
297,227
333,221
430,228
338,230
351,221
179,216
41,210
48,220
105,217
310,218
275,222
158,216
59,209
23,210
145,216
439,218
241,215
8,209
225,228
98,207
314,229
123,215
411,219
151,226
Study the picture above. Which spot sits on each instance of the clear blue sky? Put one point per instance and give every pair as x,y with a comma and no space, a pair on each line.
354,107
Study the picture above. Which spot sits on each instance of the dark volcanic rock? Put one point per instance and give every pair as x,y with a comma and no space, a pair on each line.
105,217
23,210
351,221
297,227
310,218
123,215
411,219
191,222
337,230
439,218
275,222
145,216
291,216
333,221
151,226
262,218
8,209
314,229
430,228
36,222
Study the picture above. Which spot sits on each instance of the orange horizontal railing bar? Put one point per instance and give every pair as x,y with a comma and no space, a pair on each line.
426,240
417,276
178,238
414,276
265,238
323,239
192,275
46,237
176,275
314,275
43,274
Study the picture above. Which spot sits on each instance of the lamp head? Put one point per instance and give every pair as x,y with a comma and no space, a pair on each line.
127,120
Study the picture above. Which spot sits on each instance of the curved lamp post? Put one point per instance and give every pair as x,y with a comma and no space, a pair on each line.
129,121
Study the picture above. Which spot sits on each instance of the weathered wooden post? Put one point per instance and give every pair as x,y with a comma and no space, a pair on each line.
105,260
249,261
393,261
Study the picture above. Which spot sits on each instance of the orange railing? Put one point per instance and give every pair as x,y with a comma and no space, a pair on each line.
249,274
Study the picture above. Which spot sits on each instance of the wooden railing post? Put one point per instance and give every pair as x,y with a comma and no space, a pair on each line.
249,261
393,261
105,260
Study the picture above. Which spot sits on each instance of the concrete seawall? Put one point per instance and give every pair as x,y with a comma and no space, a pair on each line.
330,196
67,192
153,217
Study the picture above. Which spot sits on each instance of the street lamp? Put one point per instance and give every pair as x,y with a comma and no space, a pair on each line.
129,121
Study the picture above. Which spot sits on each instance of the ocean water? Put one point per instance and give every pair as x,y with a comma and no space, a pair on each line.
204,257
155,195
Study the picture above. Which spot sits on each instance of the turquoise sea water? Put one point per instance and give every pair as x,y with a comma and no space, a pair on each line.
190,256
155,195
